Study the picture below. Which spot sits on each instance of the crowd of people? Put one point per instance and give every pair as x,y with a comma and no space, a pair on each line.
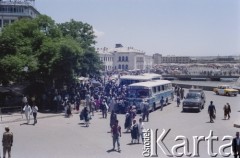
107,97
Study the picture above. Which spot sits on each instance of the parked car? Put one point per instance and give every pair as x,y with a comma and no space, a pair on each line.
195,99
225,90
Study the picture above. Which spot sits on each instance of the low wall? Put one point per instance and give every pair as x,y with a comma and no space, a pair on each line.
206,88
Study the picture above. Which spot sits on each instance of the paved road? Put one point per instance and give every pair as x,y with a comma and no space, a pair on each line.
59,137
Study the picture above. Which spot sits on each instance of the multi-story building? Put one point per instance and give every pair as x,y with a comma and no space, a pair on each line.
127,58
176,59
124,58
148,62
157,58
11,11
106,58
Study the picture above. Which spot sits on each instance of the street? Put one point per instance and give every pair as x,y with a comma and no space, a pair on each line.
59,137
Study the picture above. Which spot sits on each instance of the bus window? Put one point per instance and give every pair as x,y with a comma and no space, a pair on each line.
154,89
163,87
159,88
143,93
132,93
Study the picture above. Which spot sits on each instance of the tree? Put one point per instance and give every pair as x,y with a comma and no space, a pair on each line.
81,32
51,52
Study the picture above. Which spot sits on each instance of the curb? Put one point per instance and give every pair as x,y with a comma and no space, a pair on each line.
22,119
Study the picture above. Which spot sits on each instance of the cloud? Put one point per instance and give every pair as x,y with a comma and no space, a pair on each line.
98,33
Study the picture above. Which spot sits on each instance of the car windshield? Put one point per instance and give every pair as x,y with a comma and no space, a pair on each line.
193,96
138,93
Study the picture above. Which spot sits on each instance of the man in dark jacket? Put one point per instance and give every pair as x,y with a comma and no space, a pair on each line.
236,146
211,111
7,141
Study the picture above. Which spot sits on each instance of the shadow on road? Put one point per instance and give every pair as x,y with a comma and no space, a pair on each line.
209,122
126,132
25,124
112,150
189,111
134,144
236,125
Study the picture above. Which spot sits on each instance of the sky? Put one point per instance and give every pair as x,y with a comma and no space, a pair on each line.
168,27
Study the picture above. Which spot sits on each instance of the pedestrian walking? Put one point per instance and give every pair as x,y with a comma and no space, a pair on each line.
27,110
182,93
113,118
92,106
140,129
86,116
34,112
104,108
178,101
227,111
211,112
236,146
161,103
145,111
166,101
68,109
128,122
116,133
134,132
7,141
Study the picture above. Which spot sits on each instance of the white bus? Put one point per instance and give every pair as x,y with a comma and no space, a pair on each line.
130,79
152,91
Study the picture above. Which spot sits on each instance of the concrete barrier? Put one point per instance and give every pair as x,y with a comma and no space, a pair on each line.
206,88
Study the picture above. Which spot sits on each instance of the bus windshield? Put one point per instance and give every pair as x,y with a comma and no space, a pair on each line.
138,93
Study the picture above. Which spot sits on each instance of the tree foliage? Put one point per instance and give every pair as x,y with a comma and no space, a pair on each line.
52,52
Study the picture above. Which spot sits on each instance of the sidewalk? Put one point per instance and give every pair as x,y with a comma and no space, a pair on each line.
18,117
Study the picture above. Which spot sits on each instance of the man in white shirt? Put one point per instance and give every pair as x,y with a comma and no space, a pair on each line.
27,110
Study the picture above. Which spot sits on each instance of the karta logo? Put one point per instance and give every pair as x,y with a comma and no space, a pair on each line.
152,143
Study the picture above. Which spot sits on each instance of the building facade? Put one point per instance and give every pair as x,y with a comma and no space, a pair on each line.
124,58
11,11
106,58
176,59
157,58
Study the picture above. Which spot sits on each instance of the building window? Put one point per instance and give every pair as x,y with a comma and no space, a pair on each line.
119,66
126,67
122,67
126,58
119,58
0,23
122,58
